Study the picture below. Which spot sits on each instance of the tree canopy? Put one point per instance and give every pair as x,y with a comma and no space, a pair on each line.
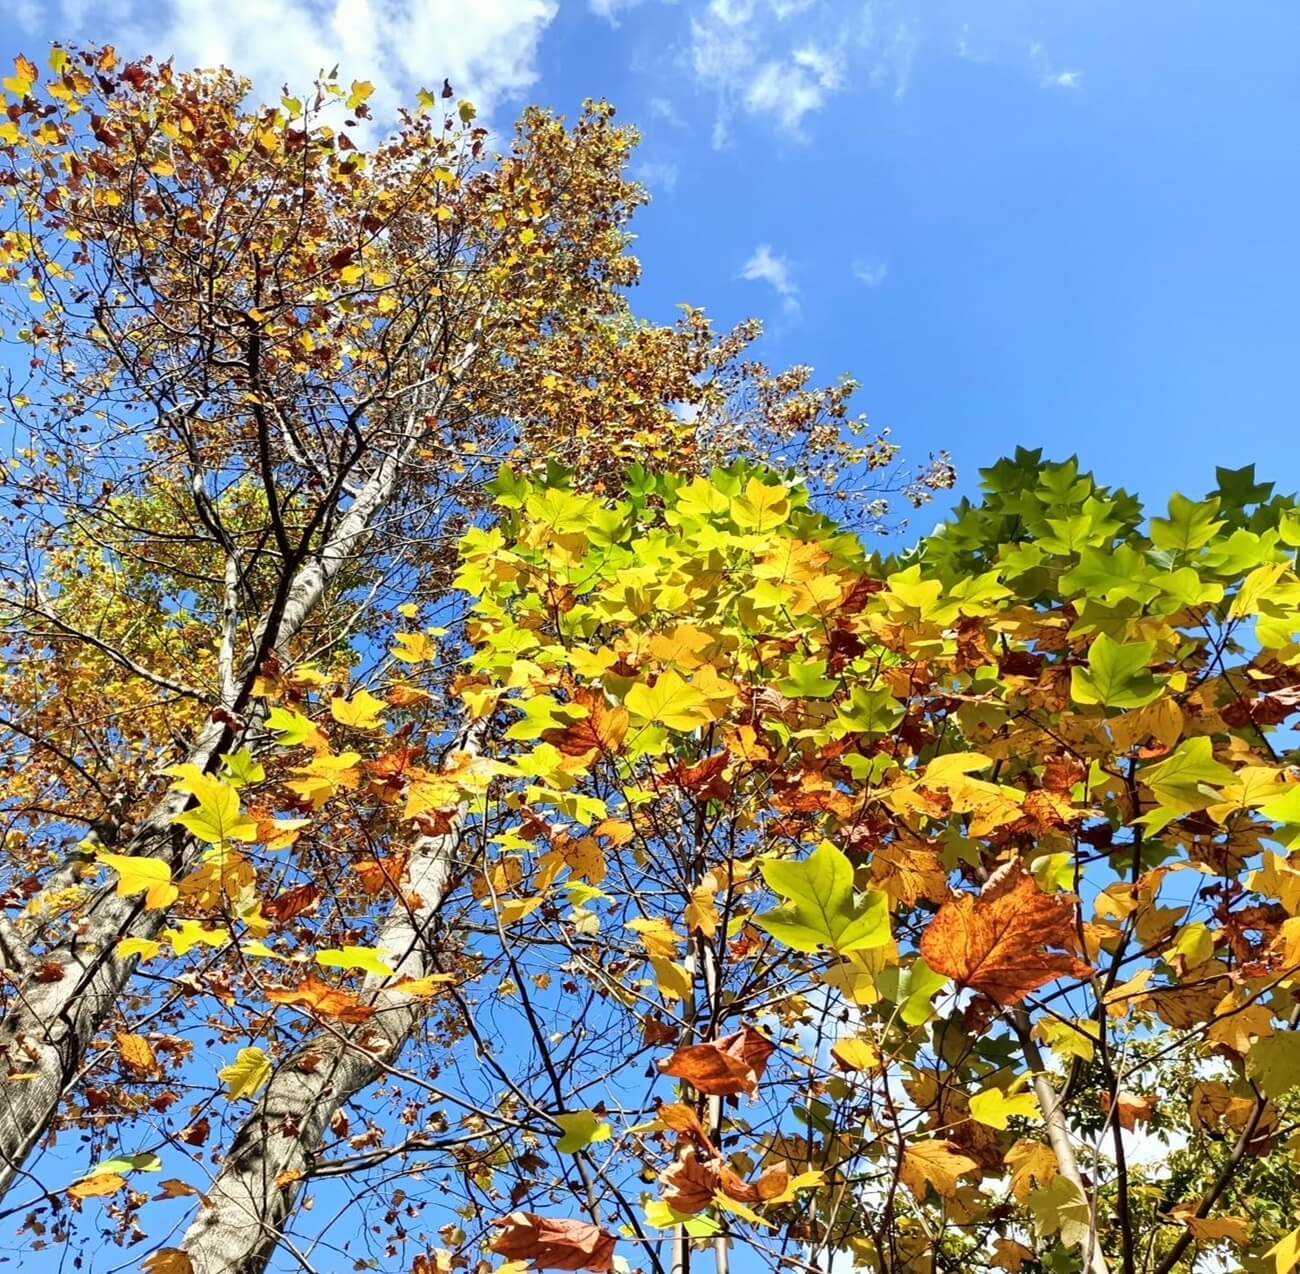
479,795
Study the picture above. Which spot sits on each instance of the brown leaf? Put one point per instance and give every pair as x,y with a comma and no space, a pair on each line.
690,1183
324,999
174,1189
999,942
551,1244
195,1134
723,1067
291,904
603,728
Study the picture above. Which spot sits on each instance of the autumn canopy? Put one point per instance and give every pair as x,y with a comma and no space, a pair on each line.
479,793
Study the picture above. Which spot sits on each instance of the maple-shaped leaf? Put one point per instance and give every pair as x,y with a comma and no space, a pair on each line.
362,712
933,1163
246,1074
822,909
690,1182
1001,942
554,1244
723,1067
320,997
603,729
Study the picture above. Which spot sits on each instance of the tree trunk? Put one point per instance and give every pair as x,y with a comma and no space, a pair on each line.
240,1223
51,1023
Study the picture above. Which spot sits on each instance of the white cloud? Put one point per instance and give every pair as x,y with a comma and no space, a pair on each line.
662,108
784,60
657,175
764,266
871,274
488,49
1050,76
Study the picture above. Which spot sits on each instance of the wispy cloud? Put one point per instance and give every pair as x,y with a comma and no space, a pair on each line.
871,274
765,266
785,60
487,49
657,175
1049,75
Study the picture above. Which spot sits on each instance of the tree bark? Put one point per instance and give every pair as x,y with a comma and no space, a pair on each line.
240,1223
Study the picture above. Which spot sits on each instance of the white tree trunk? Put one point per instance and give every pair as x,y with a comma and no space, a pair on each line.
240,1223
51,1023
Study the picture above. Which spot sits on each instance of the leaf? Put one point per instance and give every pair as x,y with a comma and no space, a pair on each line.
552,1244
98,1187
996,1108
367,959
136,1052
821,909
761,508
246,1074
323,999
140,875
670,702
216,819
1274,1063
145,948
414,648
362,712
724,1067
933,1163
856,1055
169,1260
580,1129
998,942
662,1217
1117,675
361,91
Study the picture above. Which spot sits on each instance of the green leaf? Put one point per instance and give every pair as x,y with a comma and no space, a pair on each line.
821,909
581,1129
1274,1062
662,1217
1179,779
1117,675
1190,525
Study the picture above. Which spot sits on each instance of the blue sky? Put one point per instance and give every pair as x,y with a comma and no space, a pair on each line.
1064,224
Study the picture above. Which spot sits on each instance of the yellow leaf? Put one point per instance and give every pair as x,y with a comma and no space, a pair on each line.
138,875
996,1108
191,933
362,712
246,1074
145,948
428,985
518,908
933,1163
414,648
657,935
761,508
856,1055
136,1052
674,980
217,817
670,702
99,1186
1286,1252
361,91
367,959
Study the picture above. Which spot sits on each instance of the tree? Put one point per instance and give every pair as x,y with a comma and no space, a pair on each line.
264,376
929,880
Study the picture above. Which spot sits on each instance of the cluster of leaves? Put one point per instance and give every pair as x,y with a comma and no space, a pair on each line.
977,848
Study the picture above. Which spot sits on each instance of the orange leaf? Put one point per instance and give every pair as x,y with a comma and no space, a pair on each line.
320,997
554,1244
98,1186
603,729
724,1067
137,1055
998,942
